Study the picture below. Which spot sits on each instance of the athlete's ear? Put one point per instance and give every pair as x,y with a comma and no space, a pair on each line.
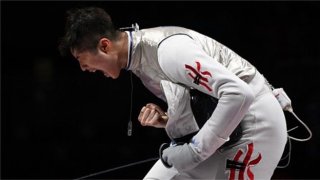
104,45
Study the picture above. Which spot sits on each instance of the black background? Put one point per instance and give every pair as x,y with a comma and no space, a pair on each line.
59,122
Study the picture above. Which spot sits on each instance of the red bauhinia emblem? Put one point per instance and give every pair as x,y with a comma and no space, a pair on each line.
244,165
198,76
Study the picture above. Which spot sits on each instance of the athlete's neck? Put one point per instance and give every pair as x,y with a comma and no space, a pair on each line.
123,52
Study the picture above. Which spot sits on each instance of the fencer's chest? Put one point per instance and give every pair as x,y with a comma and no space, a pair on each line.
151,78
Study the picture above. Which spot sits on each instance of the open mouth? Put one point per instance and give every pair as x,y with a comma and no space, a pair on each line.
104,73
92,70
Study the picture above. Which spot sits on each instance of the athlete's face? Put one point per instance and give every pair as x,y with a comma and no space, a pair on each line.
105,60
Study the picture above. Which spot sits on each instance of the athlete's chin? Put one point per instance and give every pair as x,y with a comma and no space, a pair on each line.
112,76
116,77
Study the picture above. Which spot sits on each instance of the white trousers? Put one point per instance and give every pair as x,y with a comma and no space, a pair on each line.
255,156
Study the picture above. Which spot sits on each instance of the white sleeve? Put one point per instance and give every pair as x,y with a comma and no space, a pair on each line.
184,61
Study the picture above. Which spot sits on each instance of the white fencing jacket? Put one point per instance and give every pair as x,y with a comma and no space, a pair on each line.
169,59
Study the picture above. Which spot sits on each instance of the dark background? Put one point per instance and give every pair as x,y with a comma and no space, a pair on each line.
59,122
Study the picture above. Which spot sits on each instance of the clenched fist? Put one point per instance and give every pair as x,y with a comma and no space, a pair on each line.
152,115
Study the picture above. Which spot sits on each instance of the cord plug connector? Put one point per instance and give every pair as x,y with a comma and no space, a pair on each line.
283,99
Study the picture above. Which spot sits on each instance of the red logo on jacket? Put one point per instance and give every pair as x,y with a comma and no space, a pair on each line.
198,76
245,165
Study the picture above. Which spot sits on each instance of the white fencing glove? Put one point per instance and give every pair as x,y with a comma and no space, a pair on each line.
181,156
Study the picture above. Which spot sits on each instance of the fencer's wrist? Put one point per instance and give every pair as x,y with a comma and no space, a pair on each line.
182,157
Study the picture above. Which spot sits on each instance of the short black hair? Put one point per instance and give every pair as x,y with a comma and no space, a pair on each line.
84,28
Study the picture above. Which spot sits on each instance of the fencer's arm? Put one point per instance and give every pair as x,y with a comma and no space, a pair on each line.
180,58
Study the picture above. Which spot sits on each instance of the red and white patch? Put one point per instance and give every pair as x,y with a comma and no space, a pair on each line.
199,77
236,165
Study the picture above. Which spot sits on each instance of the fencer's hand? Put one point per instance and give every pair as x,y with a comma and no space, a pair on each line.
152,115
182,157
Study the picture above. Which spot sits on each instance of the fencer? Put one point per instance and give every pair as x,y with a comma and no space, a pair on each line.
222,118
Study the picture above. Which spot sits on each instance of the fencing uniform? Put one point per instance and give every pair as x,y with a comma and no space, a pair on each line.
172,61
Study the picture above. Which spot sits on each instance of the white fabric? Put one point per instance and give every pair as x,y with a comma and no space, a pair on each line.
253,104
235,96
145,61
264,126
182,157
180,118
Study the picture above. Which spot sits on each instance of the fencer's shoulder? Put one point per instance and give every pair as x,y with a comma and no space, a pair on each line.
167,30
176,42
164,27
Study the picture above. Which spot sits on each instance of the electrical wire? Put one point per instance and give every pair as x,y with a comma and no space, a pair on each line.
129,131
306,127
117,168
